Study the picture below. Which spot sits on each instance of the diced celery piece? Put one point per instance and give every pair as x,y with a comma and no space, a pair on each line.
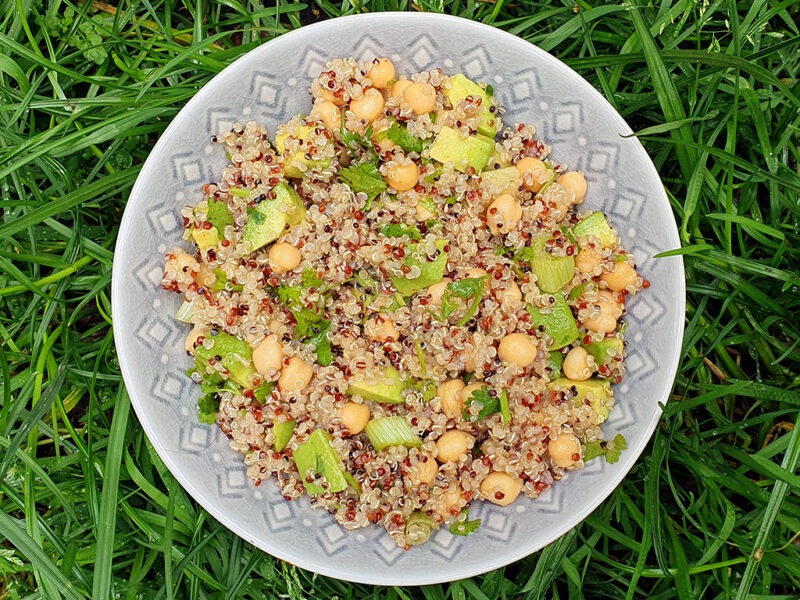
596,225
392,431
504,408
283,433
184,314
431,272
558,323
317,456
552,272
418,528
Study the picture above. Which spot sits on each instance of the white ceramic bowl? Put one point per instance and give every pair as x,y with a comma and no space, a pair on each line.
269,85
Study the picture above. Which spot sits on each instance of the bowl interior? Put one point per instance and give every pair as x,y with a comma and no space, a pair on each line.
269,85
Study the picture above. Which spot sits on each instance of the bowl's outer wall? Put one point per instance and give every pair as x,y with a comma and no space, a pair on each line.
269,85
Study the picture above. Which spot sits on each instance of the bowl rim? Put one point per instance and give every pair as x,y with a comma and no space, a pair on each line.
296,556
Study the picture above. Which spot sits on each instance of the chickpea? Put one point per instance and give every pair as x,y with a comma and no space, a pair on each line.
184,261
564,449
369,107
503,214
423,214
467,391
381,328
191,339
274,325
355,417
436,292
205,276
511,294
424,471
501,488
402,177
283,257
296,375
534,173
400,86
268,355
385,145
476,272
329,96
421,97
452,499
517,349
620,278
588,260
605,319
328,113
575,182
381,73
450,393
576,365
453,445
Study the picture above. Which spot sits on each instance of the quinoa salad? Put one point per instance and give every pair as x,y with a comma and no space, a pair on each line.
398,306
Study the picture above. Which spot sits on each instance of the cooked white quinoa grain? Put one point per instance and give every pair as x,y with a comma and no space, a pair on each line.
342,241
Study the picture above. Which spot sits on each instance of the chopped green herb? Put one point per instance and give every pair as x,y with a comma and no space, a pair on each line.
240,192
471,287
505,410
219,215
211,386
399,230
611,450
364,178
353,141
577,291
312,326
401,137
222,282
490,90
421,358
433,176
463,526
310,278
486,403
263,391
429,204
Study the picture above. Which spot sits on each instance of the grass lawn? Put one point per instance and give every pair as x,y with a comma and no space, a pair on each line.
712,508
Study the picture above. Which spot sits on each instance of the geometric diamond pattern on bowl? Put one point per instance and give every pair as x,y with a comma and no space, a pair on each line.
269,84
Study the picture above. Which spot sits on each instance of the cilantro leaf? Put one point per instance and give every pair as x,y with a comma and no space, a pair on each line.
222,282
219,215
320,341
211,386
490,90
471,287
242,193
310,324
398,230
462,526
364,178
208,406
610,450
402,137
263,391
310,278
487,404
353,141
